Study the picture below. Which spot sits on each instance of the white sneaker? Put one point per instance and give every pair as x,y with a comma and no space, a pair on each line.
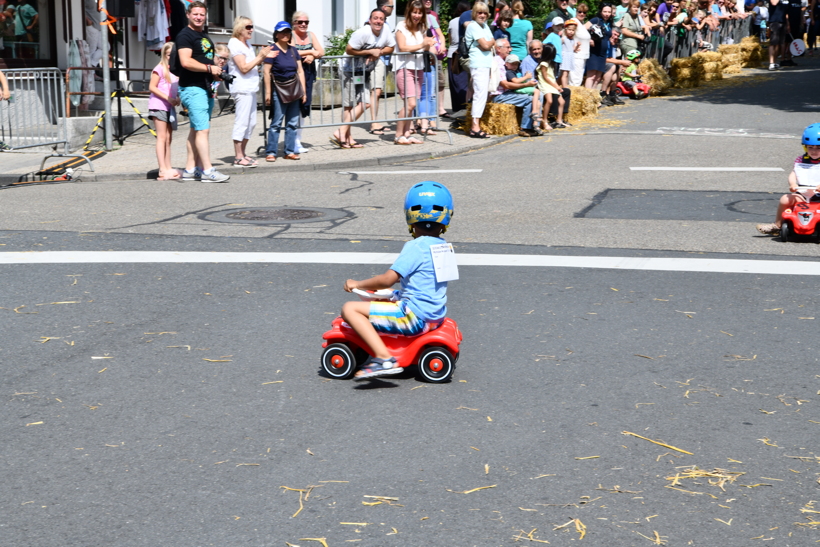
196,174
214,176
301,149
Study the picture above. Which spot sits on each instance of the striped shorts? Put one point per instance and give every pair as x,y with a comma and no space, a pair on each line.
397,318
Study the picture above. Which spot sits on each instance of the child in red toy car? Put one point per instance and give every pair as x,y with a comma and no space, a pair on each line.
428,207
804,180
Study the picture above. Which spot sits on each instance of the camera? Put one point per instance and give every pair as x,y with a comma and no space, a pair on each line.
227,77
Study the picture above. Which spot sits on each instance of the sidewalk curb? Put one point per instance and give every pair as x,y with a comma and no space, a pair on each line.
292,166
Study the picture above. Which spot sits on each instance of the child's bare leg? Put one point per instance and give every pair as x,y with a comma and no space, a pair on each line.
547,106
788,201
357,315
560,116
536,102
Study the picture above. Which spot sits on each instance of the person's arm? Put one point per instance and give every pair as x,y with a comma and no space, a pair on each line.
34,21
266,68
442,43
485,44
4,83
383,281
401,44
244,65
300,72
529,37
318,50
153,87
191,64
793,182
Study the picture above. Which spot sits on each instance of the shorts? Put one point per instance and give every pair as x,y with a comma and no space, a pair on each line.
353,94
164,116
398,318
377,75
777,36
200,104
408,82
608,67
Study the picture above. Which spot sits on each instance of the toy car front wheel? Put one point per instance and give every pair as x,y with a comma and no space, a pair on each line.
617,92
785,232
339,361
436,365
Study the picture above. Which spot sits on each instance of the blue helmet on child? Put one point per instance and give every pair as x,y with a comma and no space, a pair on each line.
428,201
811,135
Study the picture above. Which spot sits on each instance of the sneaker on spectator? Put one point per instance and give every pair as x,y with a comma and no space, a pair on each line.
768,229
606,101
615,99
196,174
774,66
212,175
524,133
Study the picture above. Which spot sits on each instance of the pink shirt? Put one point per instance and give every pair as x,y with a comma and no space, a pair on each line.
169,88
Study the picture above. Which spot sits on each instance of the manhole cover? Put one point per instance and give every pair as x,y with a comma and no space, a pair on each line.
275,215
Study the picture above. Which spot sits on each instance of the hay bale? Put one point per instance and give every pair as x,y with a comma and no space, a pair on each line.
708,56
712,76
583,103
733,69
712,67
498,119
732,59
683,62
655,76
750,40
686,74
729,49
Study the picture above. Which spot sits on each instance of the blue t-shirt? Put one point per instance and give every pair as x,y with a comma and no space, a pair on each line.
555,40
463,20
529,65
419,288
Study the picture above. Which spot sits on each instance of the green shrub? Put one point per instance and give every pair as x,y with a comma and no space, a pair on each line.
336,43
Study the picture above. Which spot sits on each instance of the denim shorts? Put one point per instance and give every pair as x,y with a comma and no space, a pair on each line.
397,318
200,104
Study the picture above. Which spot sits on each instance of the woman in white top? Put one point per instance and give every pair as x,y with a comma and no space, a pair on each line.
409,68
480,41
243,65
582,36
310,48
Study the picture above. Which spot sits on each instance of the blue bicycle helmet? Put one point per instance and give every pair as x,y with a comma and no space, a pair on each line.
428,201
811,135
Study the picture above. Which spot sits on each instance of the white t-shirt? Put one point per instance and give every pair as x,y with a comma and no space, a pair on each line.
249,81
583,37
410,62
365,39
452,30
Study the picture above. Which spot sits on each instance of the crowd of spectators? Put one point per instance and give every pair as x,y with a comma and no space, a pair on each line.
493,56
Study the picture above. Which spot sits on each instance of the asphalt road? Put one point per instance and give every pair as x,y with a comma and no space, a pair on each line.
168,404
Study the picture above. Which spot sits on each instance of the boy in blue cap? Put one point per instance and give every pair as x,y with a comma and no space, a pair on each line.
421,304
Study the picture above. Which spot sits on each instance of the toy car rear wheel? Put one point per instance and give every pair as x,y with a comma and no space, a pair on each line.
617,92
339,361
436,365
785,232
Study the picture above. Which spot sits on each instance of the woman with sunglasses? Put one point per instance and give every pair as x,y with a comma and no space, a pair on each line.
309,48
242,66
600,34
582,36
283,66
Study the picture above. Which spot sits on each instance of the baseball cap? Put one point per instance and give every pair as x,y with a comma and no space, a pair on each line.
282,25
571,22
512,58
557,21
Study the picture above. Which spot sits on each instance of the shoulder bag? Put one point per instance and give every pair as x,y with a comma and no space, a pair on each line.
289,90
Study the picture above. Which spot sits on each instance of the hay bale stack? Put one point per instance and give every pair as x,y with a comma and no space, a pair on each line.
583,103
655,76
729,49
734,69
731,60
712,76
711,67
751,52
686,72
708,56
498,119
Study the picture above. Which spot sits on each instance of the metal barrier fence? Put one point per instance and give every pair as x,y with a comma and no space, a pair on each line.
343,81
674,44
35,115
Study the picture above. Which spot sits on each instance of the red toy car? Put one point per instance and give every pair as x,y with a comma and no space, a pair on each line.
639,91
435,351
801,220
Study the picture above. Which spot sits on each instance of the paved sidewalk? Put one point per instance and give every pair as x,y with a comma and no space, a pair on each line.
136,158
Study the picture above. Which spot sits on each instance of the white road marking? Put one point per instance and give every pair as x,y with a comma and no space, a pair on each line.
414,172
716,265
740,169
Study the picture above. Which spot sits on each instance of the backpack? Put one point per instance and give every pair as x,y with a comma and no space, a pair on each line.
464,54
173,63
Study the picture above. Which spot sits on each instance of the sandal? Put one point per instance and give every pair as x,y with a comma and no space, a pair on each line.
377,131
242,162
478,135
252,160
402,140
414,140
354,144
375,367
429,132
339,144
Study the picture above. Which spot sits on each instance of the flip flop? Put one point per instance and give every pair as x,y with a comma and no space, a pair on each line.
379,131
338,143
355,145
